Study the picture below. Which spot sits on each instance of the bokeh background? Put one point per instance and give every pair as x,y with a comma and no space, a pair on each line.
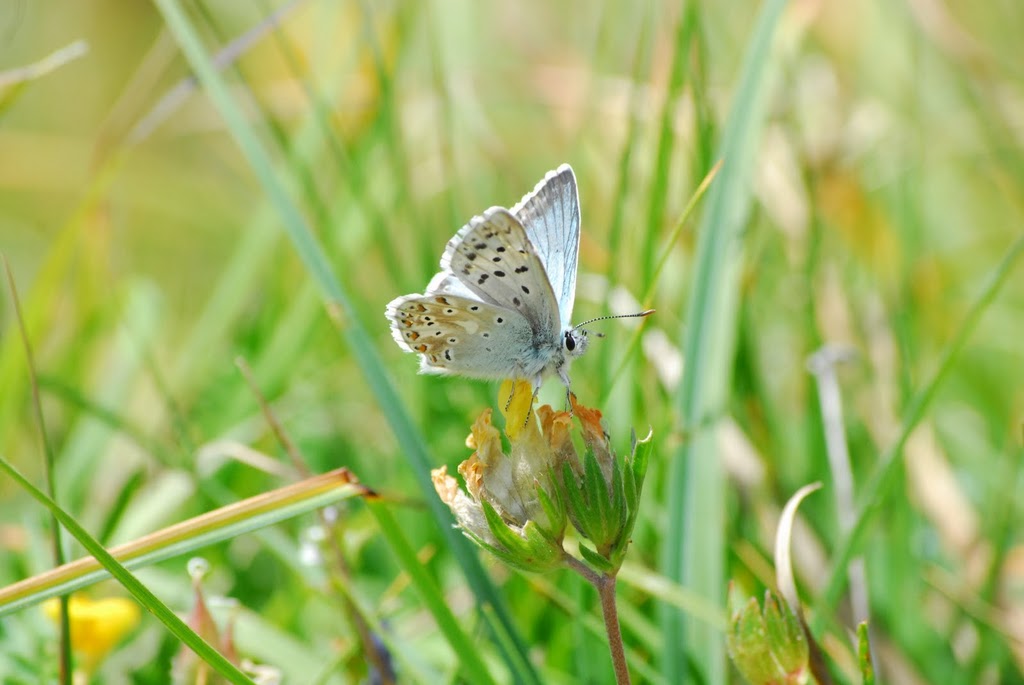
886,191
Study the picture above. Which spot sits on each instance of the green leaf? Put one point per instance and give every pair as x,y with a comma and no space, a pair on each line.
186,537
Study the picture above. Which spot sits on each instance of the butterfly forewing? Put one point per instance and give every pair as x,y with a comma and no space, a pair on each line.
458,335
493,257
551,217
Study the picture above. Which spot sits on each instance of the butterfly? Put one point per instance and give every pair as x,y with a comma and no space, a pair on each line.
501,306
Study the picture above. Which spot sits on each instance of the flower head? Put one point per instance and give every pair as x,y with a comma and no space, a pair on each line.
517,500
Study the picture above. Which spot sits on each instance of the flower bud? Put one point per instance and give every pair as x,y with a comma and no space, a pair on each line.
604,495
768,647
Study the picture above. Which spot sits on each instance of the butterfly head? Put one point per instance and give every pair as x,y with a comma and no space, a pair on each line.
575,342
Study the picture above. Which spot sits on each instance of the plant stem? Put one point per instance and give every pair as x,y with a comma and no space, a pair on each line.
606,589
605,586
579,567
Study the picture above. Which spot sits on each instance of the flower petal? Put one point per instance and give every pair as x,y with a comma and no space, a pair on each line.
516,400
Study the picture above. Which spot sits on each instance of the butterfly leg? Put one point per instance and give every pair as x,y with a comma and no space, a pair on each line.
537,380
533,400
536,389
511,394
568,392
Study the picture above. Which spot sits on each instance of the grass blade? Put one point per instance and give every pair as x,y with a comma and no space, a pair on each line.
695,550
186,537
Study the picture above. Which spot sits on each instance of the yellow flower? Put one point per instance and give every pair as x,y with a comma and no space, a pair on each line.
96,625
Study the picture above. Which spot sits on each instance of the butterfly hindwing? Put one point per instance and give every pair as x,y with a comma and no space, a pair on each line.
493,257
458,335
551,216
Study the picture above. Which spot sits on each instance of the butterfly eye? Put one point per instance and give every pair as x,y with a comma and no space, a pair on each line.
570,342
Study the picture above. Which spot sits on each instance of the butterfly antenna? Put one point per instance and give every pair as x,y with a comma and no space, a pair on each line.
646,312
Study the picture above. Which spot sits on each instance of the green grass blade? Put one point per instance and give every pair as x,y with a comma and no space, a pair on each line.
665,144
695,546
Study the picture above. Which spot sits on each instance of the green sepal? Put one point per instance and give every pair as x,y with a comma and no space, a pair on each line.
640,458
577,503
631,487
596,494
588,500
747,646
619,534
785,635
554,509
606,513
529,550
598,562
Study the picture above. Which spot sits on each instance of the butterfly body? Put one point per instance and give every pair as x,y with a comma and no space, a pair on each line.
501,305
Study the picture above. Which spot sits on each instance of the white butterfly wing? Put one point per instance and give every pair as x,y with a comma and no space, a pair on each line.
458,335
551,216
494,259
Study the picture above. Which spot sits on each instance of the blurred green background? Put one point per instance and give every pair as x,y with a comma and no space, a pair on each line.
886,187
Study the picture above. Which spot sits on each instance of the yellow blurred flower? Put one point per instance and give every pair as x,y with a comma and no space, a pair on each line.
96,625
